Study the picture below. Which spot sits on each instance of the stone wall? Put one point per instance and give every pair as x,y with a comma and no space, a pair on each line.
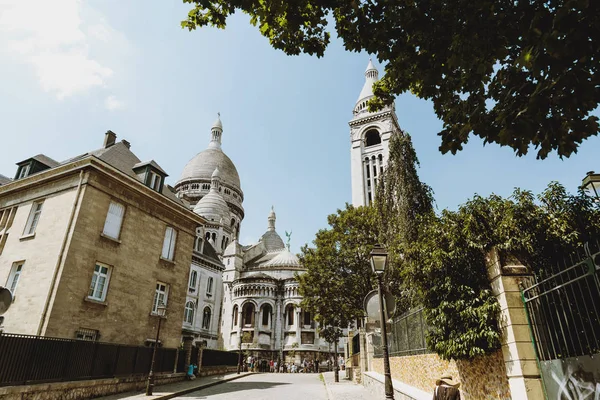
484,377
80,390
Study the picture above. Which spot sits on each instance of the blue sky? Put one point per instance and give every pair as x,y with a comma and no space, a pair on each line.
73,69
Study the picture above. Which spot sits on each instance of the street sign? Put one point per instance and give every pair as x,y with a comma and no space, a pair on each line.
371,305
5,299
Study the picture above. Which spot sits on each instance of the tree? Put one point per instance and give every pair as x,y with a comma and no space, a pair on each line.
338,273
516,73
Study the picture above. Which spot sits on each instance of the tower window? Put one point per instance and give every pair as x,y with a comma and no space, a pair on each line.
372,138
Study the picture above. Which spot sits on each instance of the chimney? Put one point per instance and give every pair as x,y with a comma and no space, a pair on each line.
126,143
109,139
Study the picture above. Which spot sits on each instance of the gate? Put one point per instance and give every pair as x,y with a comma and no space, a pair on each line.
563,310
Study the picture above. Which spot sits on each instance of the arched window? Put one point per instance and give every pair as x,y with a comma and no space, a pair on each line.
207,235
248,315
266,314
235,315
189,312
198,243
206,318
306,319
290,315
214,237
372,138
193,281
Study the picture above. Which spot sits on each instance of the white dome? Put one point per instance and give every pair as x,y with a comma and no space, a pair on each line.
213,207
202,166
284,259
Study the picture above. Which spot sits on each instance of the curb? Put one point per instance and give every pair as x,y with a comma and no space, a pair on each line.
199,387
329,394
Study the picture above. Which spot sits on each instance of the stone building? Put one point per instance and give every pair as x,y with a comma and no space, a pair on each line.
90,247
369,139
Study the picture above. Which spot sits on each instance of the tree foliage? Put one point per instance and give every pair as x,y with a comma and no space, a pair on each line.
338,271
448,261
516,73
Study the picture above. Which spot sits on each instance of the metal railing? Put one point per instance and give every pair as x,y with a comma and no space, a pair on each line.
564,309
34,359
406,337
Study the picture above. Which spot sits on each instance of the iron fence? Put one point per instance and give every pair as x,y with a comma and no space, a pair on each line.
36,359
563,307
406,337
213,358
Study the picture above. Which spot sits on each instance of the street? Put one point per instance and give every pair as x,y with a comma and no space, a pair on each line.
267,387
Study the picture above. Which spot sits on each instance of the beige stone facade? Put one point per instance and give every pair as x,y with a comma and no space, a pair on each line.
51,297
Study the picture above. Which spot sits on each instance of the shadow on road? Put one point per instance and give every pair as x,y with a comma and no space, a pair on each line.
233,386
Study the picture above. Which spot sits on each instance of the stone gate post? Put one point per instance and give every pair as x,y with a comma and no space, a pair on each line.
187,347
517,349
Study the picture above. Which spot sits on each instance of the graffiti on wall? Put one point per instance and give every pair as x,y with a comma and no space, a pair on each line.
572,378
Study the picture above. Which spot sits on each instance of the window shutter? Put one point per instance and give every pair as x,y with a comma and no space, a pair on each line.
114,218
167,243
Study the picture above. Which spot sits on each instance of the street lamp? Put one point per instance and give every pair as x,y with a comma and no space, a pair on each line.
161,311
591,184
379,257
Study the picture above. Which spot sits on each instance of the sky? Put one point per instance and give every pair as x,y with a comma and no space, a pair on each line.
71,70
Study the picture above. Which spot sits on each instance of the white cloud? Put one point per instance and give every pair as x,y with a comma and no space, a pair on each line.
56,39
112,103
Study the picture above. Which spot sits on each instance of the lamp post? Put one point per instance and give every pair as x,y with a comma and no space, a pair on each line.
378,263
240,357
161,310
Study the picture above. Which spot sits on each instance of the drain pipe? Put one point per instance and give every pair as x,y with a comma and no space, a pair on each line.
61,255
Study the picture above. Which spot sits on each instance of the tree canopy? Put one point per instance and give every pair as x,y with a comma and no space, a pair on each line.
338,270
521,73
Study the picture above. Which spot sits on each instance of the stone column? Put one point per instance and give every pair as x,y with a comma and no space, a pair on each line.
298,326
256,326
517,349
187,347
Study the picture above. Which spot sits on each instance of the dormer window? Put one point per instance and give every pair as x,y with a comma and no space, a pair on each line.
151,174
155,180
23,171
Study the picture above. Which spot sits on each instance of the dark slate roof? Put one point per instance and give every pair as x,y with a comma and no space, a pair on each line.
151,163
43,159
4,179
209,252
272,241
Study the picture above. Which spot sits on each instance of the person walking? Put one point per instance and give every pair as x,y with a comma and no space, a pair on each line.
446,389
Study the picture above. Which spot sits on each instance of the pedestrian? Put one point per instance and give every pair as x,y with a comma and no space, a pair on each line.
271,366
446,389
275,367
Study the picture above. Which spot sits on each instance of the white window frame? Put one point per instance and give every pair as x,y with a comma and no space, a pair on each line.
188,316
209,286
100,276
14,276
193,281
34,218
161,293
155,180
114,220
24,172
168,249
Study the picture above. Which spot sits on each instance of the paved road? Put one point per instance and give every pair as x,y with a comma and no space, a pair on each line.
265,387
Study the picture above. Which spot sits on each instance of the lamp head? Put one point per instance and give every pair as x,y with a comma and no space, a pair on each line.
161,310
591,185
379,257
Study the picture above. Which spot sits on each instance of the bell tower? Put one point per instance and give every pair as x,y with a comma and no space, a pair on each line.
369,141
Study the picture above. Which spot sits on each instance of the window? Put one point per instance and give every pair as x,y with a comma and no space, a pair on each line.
154,181
306,318
189,312
235,316
99,285
114,219
86,334
290,315
248,315
168,249
266,314
372,138
193,281
24,171
13,277
34,218
160,296
198,244
209,286
206,318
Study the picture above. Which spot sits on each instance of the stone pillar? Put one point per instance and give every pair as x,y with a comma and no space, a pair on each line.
187,347
363,350
256,326
517,349
298,326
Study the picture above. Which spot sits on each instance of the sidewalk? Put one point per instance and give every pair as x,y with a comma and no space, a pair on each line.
168,391
344,389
